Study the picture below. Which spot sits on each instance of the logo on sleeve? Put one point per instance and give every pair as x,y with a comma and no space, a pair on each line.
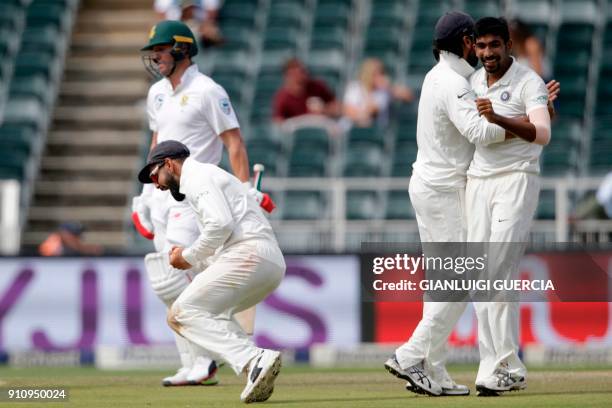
225,106
505,96
543,99
159,101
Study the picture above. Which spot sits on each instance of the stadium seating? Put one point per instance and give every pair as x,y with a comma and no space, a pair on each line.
304,205
546,205
398,206
362,205
332,37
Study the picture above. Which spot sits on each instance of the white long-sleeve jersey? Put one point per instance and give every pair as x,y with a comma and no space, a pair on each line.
226,213
449,125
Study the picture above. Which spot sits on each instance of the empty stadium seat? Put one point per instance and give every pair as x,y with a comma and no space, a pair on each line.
546,205
532,11
312,138
404,156
284,13
42,14
398,206
308,163
363,162
388,13
35,86
362,205
26,112
304,205
482,8
371,136
336,15
240,13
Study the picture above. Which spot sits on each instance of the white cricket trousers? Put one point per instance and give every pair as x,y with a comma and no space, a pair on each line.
174,224
440,216
500,209
241,276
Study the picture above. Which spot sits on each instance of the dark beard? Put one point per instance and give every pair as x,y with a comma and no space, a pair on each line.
472,59
174,188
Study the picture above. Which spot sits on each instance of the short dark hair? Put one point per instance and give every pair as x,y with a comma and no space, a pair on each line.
291,63
452,44
494,26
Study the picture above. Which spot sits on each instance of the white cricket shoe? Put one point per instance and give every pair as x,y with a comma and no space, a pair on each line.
455,389
416,376
180,378
203,372
263,370
501,380
450,390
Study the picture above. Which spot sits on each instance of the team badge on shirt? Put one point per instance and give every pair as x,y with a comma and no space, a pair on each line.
225,106
505,96
159,101
184,100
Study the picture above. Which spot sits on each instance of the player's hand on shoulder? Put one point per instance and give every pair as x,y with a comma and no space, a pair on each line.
554,88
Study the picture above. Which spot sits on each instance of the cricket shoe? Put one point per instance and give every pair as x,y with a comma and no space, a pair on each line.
417,377
180,378
501,380
203,372
263,370
453,390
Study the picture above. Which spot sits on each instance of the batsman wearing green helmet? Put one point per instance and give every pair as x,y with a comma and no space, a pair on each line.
176,39
187,106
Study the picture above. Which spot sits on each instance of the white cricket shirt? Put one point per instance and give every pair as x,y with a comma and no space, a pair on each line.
517,93
227,214
447,125
195,114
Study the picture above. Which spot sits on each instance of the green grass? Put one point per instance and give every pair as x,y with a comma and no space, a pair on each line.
307,387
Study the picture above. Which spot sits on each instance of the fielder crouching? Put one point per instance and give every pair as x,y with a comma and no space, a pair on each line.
244,263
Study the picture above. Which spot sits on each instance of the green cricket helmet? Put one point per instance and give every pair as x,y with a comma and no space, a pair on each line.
173,33
169,32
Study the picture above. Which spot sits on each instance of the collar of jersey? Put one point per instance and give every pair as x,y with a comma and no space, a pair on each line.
184,178
505,79
459,65
187,75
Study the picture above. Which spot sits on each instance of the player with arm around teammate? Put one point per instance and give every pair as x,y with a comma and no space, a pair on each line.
244,262
502,191
188,106
448,126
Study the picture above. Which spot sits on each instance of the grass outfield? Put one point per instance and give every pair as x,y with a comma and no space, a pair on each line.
307,387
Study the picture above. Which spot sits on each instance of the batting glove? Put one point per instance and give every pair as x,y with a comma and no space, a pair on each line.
141,217
264,199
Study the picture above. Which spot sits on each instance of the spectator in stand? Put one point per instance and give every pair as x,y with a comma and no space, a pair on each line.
528,49
200,15
67,241
367,100
302,95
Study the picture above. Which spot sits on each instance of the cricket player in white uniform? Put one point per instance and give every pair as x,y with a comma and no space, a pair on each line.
448,126
244,263
188,106
502,190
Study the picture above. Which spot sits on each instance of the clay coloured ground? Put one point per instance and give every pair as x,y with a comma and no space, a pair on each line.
308,387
